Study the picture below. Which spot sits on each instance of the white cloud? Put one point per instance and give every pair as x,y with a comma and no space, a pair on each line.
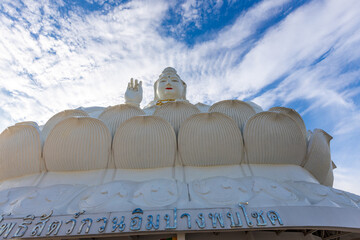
347,179
96,51
83,71
348,124
194,12
297,42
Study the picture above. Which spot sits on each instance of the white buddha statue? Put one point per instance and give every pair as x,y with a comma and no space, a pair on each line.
168,88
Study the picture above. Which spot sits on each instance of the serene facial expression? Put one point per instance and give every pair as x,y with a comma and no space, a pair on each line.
169,87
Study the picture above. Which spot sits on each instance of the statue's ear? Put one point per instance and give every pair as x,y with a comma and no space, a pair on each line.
184,91
156,98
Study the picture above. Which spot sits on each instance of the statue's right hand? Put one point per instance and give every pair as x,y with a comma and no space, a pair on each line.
134,93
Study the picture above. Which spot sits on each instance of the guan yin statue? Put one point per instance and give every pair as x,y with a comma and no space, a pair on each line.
171,167
168,88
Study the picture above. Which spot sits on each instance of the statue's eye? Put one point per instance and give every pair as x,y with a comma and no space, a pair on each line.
163,81
174,80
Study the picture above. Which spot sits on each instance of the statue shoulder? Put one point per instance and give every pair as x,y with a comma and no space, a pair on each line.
153,105
150,108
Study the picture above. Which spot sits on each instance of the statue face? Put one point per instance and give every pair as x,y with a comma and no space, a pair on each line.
169,86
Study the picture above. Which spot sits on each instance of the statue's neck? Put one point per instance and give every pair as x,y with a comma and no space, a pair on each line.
161,102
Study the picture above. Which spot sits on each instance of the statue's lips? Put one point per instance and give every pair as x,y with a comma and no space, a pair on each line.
169,88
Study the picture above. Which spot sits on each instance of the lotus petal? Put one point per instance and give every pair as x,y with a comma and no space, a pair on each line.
202,107
144,142
239,111
318,160
78,144
208,139
28,123
293,114
176,113
35,125
116,115
50,124
329,180
274,138
93,112
20,151
255,106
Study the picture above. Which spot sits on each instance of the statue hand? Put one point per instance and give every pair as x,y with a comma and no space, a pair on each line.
134,93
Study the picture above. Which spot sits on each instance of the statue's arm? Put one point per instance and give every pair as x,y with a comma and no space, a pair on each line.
134,93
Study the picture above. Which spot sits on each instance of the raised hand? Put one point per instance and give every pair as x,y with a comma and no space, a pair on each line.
134,93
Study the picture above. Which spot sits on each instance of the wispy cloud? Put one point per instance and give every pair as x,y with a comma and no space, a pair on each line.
347,179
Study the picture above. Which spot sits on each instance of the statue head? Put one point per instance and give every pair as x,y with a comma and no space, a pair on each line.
169,86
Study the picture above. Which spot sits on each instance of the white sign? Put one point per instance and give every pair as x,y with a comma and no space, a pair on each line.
138,220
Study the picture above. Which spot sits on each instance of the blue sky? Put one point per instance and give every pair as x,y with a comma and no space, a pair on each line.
56,55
